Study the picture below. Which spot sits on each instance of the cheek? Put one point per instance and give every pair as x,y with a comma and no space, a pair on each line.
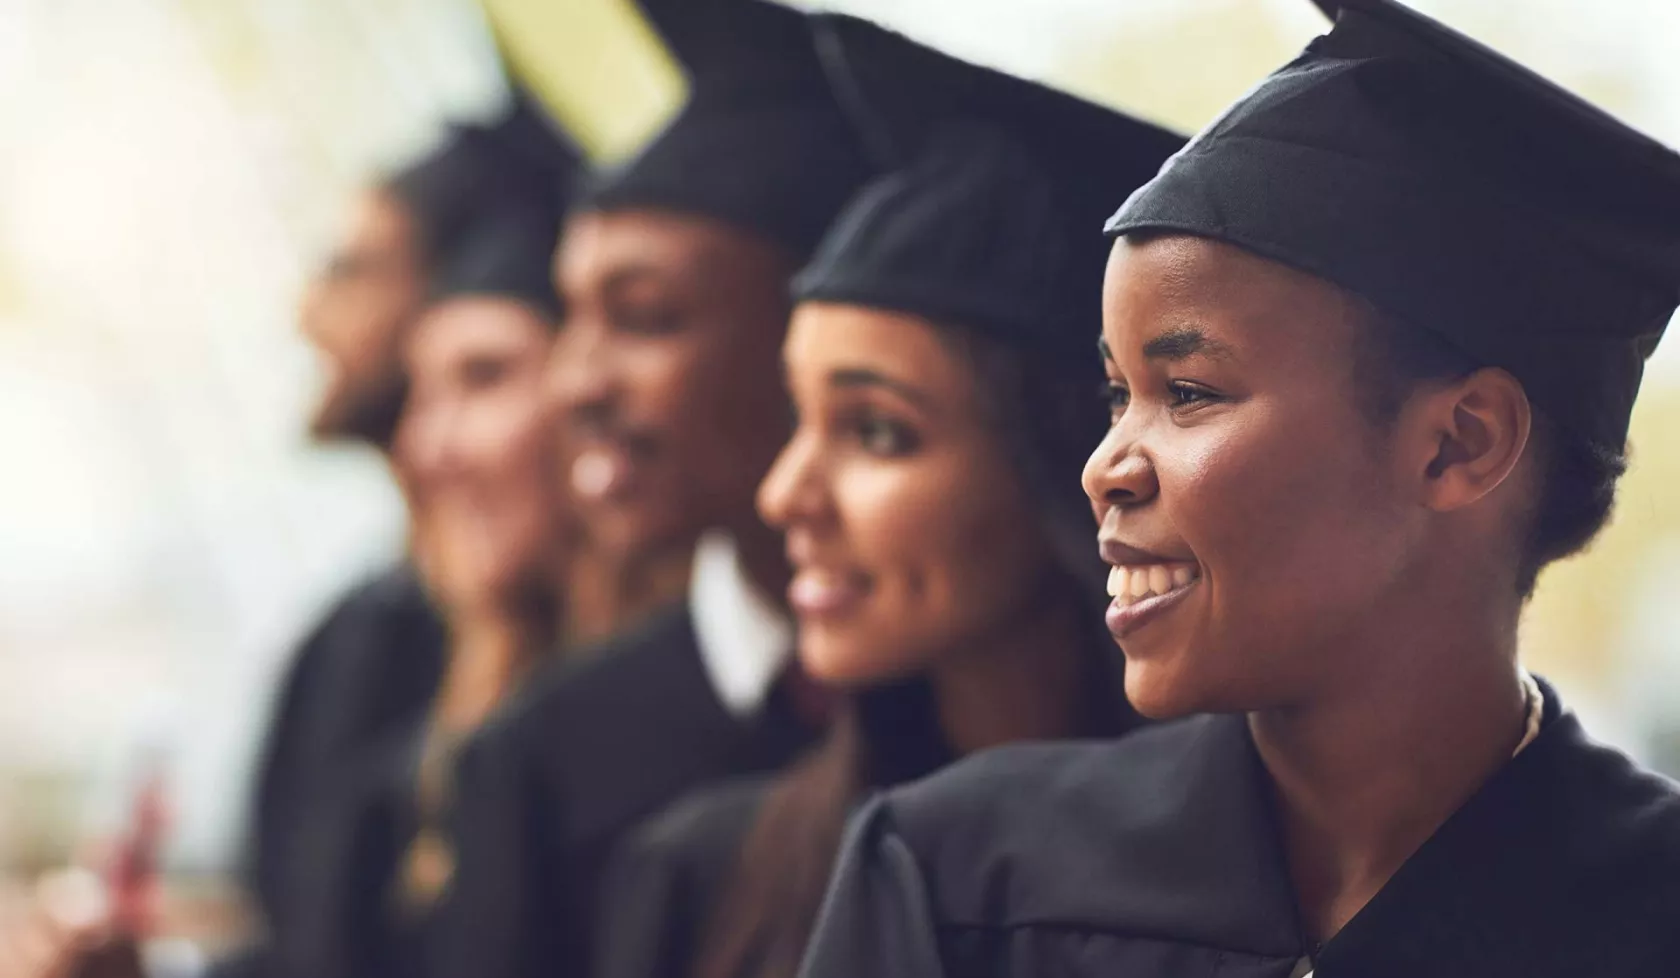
1288,518
950,558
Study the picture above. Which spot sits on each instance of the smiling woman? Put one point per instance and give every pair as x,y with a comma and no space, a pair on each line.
944,580
1372,357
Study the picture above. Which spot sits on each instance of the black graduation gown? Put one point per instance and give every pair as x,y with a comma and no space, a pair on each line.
667,877
547,788
1157,857
365,674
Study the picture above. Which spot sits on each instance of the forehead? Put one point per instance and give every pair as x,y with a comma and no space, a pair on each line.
471,325
597,245
829,338
1256,309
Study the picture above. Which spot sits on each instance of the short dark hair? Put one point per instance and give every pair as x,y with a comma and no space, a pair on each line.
1578,476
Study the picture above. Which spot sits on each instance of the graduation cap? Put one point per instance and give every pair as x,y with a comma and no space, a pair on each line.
1457,191
517,162
987,217
507,254
760,144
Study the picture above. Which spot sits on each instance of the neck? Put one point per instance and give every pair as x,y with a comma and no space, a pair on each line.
606,592
1365,775
487,656
1024,682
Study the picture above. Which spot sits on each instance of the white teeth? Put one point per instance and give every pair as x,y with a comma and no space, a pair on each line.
1129,585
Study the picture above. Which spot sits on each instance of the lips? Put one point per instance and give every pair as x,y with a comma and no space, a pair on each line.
608,468
818,593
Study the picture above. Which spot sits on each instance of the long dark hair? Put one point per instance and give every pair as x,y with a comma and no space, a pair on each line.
1050,418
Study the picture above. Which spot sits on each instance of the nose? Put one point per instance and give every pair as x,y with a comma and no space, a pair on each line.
792,491
578,382
1119,473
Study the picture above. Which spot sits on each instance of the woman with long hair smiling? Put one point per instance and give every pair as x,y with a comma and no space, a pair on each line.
944,582
1373,340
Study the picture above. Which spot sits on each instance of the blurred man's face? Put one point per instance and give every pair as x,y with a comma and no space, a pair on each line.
353,313
667,374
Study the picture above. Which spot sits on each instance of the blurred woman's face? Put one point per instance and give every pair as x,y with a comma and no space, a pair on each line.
1254,515
354,312
475,447
664,375
908,526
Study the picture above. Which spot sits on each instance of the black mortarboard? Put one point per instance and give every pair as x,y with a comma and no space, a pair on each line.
506,254
987,218
1458,192
518,162
760,144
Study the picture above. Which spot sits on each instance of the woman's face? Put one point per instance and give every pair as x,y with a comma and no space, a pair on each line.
665,373
908,528
1253,513
475,448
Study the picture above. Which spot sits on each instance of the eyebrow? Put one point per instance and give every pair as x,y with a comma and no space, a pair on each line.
855,377
1184,342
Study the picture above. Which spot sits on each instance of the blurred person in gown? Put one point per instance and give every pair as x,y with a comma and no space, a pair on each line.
674,269
476,451
369,671
371,668
1373,343
939,358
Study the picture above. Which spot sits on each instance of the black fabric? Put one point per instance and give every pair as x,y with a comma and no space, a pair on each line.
517,163
1157,856
985,219
665,881
760,144
547,788
1456,191
358,832
506,255
362,676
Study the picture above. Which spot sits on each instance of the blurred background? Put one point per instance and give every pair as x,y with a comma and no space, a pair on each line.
170,171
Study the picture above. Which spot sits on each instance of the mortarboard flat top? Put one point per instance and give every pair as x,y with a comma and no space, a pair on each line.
1455,190
760,144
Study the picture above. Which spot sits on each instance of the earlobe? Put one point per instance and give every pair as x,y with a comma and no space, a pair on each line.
1481,428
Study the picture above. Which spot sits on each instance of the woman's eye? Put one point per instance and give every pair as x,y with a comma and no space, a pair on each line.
1117,396
882,436
482,372
1189,395
651,322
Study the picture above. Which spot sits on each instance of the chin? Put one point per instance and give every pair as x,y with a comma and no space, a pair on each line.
846,661
1160,692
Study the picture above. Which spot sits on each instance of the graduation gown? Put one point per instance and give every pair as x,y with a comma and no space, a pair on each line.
363,675
1157,856
667,877
547,788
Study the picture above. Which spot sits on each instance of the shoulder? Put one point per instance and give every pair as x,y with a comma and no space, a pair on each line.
1010,837
698,838
1599,793
713,817
1023,786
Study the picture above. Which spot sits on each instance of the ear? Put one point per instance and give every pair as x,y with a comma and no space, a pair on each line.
1474,432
